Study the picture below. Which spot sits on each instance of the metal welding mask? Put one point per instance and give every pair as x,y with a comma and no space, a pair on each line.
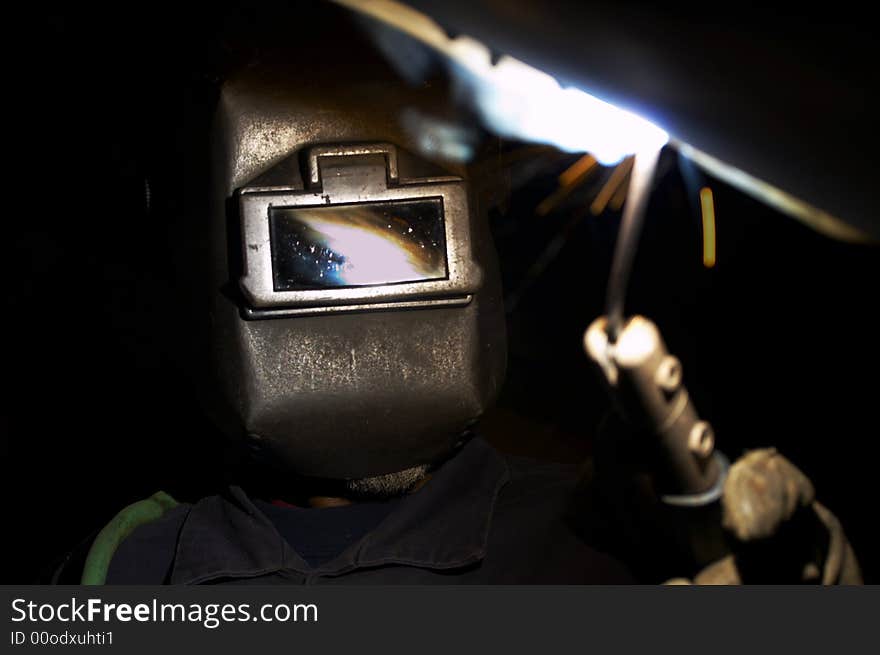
356,323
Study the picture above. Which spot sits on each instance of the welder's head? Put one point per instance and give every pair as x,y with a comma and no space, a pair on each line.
356,325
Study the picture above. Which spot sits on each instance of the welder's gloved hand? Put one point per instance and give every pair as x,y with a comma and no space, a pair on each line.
779,532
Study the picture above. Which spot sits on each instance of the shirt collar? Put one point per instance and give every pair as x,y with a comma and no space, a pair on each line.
444,525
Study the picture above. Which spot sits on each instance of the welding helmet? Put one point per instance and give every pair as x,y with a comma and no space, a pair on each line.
356,325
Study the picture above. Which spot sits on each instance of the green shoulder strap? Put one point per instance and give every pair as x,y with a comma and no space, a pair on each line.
114,533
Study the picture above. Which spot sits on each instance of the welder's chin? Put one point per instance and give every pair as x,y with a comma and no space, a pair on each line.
389,485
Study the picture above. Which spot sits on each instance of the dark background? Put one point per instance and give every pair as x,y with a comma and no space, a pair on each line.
779,340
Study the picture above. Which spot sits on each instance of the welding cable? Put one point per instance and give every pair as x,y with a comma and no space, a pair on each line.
644,166
104,547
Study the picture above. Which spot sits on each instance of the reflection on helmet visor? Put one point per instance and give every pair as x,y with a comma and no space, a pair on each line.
357,245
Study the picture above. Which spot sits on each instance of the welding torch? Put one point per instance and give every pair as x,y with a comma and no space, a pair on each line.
646,382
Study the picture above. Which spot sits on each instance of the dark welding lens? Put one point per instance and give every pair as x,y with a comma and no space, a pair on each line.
357,245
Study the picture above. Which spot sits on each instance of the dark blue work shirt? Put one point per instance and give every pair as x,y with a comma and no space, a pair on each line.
318,535
481,519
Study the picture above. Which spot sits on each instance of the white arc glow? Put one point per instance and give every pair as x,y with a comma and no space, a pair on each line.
518,101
